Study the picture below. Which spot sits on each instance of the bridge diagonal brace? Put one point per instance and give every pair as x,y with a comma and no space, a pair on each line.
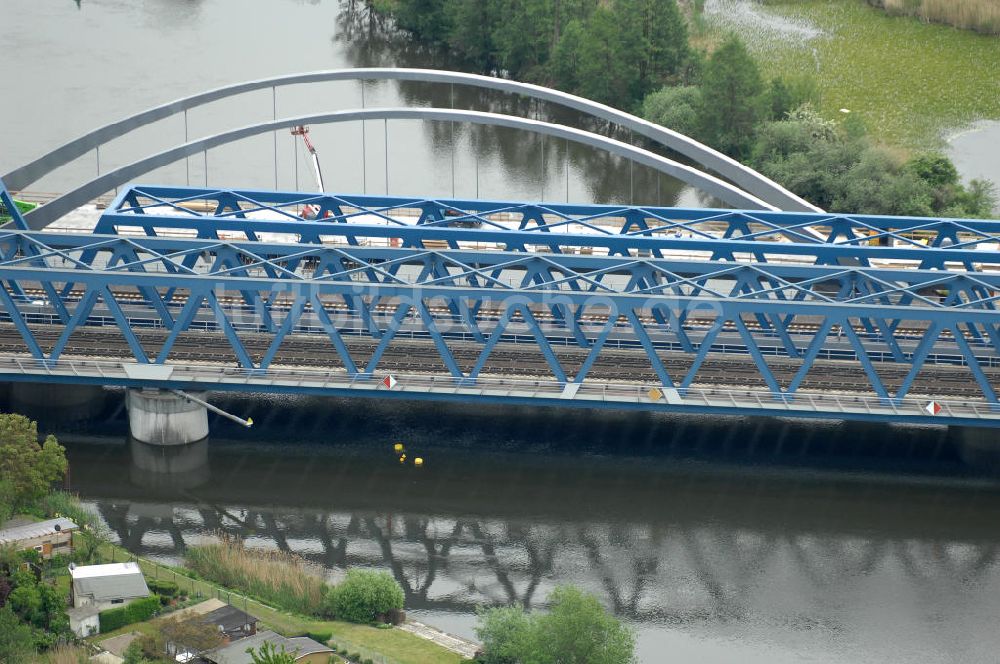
597,346
390,333
647,345
491,342
80,314
931,335
123,325
974,366
862,355
442,347
286,327
242,356
758,357
543,343
333,334
812,352
18,320
703,348
181,324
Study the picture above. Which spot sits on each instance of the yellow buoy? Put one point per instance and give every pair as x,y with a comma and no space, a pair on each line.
418,461
398,447
402,458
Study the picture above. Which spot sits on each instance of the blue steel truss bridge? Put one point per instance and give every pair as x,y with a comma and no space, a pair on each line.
803,314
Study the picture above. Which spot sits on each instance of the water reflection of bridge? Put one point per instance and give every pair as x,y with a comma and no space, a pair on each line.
707,550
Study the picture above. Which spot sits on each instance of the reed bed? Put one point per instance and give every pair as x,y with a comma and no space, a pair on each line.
276,577
979,15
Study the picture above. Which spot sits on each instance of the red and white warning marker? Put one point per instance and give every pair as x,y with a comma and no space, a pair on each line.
390,382
933,408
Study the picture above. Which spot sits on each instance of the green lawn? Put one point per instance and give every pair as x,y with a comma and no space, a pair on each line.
912,82
394,645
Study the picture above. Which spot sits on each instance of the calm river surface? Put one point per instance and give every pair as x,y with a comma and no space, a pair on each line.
73,69
722,540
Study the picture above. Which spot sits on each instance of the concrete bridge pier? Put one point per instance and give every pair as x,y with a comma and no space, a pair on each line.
161,417
50,402
978,446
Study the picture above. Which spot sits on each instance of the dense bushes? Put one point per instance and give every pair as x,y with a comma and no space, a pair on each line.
839,169
363,596
576,630
280,578
136,611
163,587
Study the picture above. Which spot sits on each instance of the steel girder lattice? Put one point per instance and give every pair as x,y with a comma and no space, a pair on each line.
677,323
752,236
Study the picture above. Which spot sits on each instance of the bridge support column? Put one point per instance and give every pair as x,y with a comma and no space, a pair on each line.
978,446
160,417
51,402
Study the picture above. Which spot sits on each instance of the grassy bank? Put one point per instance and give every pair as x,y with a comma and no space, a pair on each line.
394,645
910,81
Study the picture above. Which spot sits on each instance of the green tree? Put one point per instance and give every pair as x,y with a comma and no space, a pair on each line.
472,24
426,19
876,184
507,633
17,643
133,654
576,630
363,596
268,654
655,43
191,633
784,96
29,467
677,108
523,37
732,98
979,199
565,62
603,75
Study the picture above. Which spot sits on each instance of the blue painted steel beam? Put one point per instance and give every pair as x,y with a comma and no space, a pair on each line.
273,294
818,238
536,273
240,384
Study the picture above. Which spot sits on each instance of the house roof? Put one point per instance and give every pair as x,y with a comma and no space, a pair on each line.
229,617
106,582
32,530
236,652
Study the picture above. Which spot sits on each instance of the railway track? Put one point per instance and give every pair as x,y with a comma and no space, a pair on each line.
542,314
508,359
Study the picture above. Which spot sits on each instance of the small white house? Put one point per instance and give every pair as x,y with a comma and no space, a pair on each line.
107,586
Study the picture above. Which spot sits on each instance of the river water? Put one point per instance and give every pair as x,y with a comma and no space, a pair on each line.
719,540
76,68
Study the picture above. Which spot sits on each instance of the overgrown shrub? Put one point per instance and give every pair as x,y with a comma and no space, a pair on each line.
280,578
320,637
163,587
136,611
364,595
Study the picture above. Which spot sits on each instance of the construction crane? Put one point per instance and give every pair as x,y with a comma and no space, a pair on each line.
310,211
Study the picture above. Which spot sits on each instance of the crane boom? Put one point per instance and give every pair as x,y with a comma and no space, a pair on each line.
303,131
